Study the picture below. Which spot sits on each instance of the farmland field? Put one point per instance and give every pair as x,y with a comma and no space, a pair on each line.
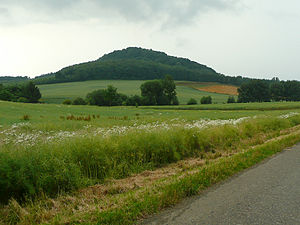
80,164
57,93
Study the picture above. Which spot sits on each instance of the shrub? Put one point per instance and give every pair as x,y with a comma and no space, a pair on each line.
79,101
206,100
22,99
25,117
231,99
67,102
192,101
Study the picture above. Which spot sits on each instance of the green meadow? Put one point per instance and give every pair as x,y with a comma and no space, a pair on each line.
57,93
63,164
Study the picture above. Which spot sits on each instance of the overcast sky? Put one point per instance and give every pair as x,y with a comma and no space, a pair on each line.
254,38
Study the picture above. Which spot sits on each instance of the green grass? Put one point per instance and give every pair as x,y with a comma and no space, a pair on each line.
49,114
63,165
66,155
57,93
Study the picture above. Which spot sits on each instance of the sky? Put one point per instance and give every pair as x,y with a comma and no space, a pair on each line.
252,38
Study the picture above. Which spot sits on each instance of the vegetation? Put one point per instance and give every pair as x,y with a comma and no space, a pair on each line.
79,101
13,80
71,153
192,101
20,93
57,93
259,91
138,64
206,100
231,99
157,92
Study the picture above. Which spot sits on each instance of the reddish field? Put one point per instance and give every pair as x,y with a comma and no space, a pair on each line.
220,89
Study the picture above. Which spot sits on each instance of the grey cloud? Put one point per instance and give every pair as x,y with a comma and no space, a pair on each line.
175,11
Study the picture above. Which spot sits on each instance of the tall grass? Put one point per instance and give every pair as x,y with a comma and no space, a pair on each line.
28,171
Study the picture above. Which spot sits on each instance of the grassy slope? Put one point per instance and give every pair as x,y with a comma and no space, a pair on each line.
44,114
57,93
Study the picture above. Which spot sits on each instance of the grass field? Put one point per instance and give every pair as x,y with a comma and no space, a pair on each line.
112,165
57,93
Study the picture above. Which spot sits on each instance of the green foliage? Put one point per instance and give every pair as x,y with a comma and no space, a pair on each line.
67,102
231,99
56,167
254,91
31,92
28,92
258,91
192,101
106,97
206,100
79,101
159,92
138,64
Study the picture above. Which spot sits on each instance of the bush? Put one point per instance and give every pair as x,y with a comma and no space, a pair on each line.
67,102
192,101
231,99
206,100
22,99
79,101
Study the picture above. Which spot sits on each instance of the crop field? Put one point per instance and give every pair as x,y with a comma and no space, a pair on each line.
57,93
114,165
211,87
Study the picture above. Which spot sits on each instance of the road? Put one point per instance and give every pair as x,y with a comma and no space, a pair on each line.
266,194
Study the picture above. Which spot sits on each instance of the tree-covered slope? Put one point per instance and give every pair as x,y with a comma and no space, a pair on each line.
11,80
138,64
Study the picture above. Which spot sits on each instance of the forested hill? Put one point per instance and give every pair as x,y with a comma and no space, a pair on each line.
138,64
9,79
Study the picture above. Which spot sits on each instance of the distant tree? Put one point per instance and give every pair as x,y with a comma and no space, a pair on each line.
291,90
67,102
206,100
277,91
151,92
79,101
159,92
5,95
254,91
169,89
192,101
106,97
134,100
231,99
31,92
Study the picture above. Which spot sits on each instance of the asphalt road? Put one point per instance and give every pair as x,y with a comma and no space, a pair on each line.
266,194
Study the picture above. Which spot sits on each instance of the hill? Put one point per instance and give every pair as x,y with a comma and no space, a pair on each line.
138,64
12,80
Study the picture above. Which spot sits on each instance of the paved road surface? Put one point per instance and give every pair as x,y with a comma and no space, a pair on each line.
266,194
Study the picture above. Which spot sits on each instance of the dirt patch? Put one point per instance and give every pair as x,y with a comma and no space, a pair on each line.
220,89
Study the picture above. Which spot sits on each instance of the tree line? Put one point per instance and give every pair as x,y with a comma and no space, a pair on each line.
28,93
156,92
260,91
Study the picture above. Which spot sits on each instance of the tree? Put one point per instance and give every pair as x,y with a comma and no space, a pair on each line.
277,91
192,101
159,92
231,99
151,92
169,89
254,91
206,100
106,97
79,101
31,92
